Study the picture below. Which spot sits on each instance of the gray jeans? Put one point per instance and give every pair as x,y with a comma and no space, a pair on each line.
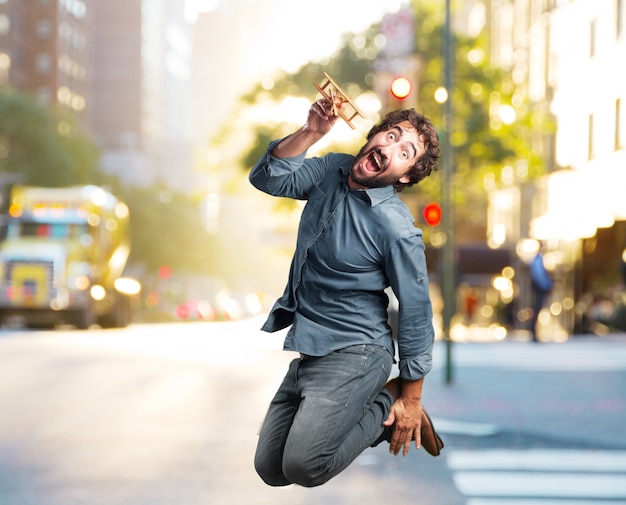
325,413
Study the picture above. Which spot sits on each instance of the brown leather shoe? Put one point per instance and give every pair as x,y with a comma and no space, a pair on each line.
431,441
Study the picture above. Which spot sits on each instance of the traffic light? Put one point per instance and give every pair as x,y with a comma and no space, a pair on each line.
432,214
165,272
401,87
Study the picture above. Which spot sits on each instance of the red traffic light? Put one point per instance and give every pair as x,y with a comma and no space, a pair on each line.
432,214
401,87
165,272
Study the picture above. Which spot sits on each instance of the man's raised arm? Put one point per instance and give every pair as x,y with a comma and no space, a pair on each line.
319,122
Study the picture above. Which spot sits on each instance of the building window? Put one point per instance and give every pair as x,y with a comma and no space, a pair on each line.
44,29
43,63
5,24
549,5
618,124
592,39
44,95
590,138
77,8
5,66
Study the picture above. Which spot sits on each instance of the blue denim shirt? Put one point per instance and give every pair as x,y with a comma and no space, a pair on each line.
352,245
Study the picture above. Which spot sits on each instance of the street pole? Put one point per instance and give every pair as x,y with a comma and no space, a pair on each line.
448,271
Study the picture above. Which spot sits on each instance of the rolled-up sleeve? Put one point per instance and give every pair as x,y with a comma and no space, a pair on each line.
406,269
286,177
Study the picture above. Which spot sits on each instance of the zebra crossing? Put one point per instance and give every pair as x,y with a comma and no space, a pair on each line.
539,476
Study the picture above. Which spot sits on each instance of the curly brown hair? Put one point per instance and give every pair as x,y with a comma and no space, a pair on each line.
427,132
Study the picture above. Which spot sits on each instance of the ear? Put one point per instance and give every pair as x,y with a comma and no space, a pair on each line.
405,179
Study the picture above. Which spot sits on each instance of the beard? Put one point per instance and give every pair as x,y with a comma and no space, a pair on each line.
373,181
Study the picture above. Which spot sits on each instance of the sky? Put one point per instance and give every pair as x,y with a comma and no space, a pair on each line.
297,31
262,36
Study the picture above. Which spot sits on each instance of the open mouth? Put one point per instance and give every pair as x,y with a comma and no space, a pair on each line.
373,162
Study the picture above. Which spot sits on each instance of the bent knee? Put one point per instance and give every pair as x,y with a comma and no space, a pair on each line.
271,475
304,474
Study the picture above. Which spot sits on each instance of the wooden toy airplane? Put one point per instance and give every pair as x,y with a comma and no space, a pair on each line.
336,97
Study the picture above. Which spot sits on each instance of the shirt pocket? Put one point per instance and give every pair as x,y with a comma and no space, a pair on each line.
313,215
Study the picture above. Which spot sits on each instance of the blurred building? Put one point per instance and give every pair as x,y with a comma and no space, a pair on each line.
566,57
123,66
212,93
141,81
232,46
45,49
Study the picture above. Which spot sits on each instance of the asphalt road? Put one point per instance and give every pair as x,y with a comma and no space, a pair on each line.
168,414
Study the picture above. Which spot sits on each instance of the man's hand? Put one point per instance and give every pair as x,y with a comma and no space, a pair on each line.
321,118
405,416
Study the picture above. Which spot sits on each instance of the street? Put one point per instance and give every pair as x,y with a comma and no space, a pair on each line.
168,414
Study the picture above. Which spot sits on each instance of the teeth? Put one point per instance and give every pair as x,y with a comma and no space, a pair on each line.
376,160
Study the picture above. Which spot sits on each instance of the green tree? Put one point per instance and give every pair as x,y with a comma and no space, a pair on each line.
167,229
43,146
483,143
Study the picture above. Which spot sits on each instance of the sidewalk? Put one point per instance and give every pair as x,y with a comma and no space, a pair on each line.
574,390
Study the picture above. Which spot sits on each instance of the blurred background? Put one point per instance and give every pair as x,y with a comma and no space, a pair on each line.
127,132
166,105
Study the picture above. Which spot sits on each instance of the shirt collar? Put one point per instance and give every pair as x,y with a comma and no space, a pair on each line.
375,195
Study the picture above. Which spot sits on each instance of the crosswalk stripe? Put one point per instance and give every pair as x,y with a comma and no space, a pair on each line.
544,485
539,476
532,501
452,427
539,460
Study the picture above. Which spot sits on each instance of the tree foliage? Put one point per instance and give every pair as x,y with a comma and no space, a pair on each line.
167,229
483,143
44,147
41,146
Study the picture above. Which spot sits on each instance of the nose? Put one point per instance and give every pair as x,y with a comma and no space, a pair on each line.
387,151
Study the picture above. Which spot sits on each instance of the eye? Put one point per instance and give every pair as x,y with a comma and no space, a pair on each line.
405,154
391,135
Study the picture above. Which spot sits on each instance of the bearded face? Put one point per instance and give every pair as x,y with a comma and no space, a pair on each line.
387,158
